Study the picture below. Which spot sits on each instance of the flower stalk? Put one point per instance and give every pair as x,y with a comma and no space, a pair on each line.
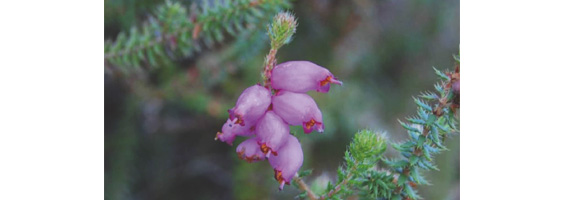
304,187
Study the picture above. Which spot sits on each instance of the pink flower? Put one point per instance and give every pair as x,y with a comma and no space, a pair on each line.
266,117
272,133
250,105
250,151
288,162
230,130
302,76
298,109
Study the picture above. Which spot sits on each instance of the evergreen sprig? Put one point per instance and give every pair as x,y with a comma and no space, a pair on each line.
427,131
397,179
363,153
177,32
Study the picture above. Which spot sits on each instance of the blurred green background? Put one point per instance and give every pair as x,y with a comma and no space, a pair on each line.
160,127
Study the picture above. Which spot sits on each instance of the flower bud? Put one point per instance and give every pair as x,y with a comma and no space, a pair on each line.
367,144
302,76
250,105
272,133
298,109
250,151
281,30
230,130
288,162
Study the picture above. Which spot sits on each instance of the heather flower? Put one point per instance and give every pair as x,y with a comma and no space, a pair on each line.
265,116
250,151
230,130
298,109
251,105
272,133
288,162
302,76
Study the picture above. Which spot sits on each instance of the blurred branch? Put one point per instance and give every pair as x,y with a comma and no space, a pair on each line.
174,33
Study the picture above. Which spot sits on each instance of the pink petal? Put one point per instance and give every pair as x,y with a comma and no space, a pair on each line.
230,130
250,151
288,162
302,76
272,133
298,109
251,105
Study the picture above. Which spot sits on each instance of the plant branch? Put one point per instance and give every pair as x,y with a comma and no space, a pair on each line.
195,30
174,32
399,181
344,182
303,186
423,141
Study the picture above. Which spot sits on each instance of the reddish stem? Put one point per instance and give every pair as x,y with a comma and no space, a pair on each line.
271,61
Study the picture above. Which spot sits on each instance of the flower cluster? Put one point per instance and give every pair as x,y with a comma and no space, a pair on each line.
265,116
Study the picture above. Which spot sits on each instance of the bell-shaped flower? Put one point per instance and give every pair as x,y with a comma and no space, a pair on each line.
230,130
288,162
302,76
272,133
250,151
298,109
250,105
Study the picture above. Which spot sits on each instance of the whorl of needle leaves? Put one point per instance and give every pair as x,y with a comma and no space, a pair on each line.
397,178
174,32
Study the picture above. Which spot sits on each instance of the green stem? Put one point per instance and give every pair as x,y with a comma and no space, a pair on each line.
341,184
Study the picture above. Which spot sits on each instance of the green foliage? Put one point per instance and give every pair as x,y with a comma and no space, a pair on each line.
427,131
377,184
175,32
367,145
435,120
361,157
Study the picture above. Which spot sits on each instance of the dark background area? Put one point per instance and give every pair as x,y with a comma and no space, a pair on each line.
159,130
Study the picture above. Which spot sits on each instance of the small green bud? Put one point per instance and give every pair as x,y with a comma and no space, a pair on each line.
367,144
281,30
